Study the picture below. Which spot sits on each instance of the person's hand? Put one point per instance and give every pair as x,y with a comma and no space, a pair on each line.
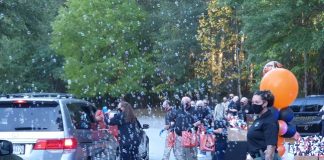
210,130
111,116
161,132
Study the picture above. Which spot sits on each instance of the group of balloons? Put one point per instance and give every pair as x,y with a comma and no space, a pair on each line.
284,86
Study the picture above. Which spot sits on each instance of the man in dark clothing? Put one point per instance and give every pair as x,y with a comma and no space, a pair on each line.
234,106
202,112
245,108
184,121
168,126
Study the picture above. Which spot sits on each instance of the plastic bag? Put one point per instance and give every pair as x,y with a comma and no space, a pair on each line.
207,142
189,139
171,139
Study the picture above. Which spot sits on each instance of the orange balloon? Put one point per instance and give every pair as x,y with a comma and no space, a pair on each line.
281,150
280,141
282,84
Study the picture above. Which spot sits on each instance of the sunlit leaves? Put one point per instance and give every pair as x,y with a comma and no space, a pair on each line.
101,44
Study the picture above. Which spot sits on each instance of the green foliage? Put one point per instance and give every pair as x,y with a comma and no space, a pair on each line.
100,41
26,61
219,34
174,44
285,31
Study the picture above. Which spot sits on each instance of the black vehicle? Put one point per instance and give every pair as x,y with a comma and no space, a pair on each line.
307,116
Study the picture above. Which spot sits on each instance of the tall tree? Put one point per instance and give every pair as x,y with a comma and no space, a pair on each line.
175,45
101,43
26,61
289,31
221,41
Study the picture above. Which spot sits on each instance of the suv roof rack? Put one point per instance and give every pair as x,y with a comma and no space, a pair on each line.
39,95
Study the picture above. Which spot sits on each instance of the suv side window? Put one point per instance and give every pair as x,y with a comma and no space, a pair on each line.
310,108
81,115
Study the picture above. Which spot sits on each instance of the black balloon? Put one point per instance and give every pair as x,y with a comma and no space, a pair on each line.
275,112
291,131
286,114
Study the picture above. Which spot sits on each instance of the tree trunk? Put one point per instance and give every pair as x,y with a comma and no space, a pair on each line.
305,65
305,73
237,54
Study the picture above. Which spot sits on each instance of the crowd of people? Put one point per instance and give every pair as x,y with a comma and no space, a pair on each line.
191,116
209,125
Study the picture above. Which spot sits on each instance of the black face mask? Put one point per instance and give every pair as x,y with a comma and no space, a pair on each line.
256,108
119,110
187,106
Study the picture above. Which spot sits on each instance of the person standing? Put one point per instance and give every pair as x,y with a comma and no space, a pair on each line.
129,131
203,115
234,106
225,104
262,135
168,126
220,131
184,121
245,108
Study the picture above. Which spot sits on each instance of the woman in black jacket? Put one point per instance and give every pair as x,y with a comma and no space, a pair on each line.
129,131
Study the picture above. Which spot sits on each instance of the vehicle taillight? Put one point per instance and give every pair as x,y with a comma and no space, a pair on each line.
20,102
54,144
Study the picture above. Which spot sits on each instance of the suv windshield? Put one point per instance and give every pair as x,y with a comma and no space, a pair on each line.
30,116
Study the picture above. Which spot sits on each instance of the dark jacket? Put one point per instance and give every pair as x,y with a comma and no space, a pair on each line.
129,132
204,115
184,120
221,123
169,116
234,105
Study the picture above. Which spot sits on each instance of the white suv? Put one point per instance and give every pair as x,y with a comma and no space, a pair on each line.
51,126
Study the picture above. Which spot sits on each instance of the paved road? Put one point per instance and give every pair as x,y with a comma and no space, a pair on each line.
156,122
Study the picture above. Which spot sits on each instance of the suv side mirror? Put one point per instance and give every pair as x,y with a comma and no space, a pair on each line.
5,147
146,126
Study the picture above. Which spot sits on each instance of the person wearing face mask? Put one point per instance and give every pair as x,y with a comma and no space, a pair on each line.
129,131
168,126
262,135
234,106
245,107
184,121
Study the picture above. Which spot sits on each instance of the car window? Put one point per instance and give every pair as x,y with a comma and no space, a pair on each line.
81,115
311,108
25,116
296,108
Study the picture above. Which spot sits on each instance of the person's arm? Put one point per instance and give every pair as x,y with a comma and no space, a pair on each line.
270,130
116,120
166,127
99,115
